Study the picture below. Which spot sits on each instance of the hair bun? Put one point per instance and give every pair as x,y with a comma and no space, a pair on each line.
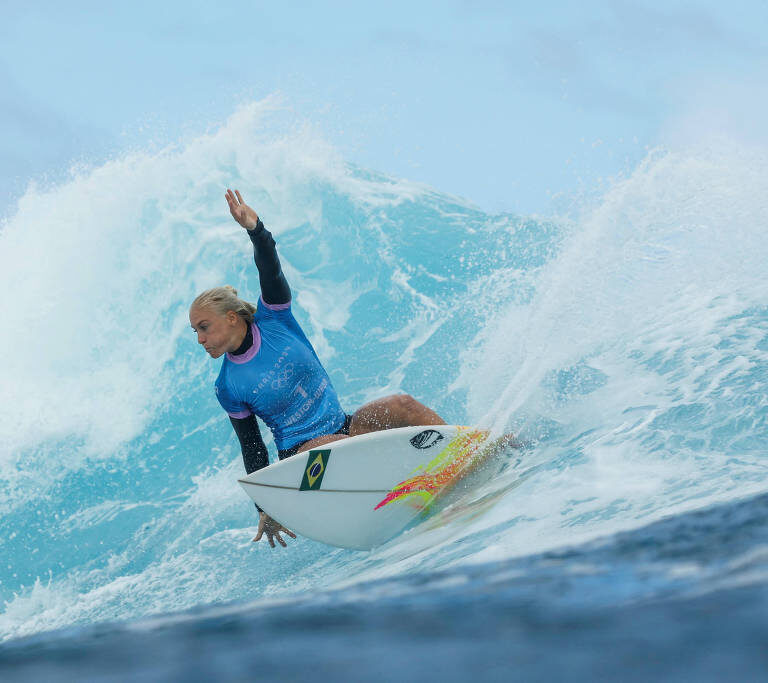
231,289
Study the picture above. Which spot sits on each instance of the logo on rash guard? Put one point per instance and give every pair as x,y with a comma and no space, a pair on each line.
283,376
307,405
317,461
282,373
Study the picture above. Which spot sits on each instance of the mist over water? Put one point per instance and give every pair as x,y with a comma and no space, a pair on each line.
627,343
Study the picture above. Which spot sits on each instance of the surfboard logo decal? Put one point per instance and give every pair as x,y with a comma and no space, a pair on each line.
317,461
426,439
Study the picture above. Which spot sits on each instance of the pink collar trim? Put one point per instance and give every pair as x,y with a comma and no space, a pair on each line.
250,353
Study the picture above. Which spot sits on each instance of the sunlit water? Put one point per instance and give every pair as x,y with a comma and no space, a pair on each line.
627,343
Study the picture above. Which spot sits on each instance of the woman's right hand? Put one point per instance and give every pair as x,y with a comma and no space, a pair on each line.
272,529
240,211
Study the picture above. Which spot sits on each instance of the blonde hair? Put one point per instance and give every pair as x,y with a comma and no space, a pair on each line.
224,299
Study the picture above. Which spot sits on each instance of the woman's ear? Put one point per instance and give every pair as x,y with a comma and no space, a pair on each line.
232,317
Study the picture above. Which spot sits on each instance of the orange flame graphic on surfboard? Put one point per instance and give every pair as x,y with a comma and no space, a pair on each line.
426,481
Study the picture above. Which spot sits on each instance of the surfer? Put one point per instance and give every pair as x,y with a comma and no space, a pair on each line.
270,370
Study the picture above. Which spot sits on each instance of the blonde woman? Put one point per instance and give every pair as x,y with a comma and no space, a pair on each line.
270,369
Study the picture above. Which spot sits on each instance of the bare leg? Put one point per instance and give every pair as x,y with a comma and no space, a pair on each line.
321,441
398,410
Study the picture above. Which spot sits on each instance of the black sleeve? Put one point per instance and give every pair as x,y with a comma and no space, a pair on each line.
274,286
251,444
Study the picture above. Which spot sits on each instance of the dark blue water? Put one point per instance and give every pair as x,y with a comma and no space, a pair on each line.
682,599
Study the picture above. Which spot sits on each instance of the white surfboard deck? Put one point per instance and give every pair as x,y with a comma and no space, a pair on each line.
361,491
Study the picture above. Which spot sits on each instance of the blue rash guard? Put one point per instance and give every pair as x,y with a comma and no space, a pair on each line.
280,379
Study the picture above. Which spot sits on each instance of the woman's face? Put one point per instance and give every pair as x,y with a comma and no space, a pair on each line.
216,332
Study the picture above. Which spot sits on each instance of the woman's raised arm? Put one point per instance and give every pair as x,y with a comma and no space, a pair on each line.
274,286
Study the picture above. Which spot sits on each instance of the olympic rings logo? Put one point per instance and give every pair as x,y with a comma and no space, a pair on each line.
285,373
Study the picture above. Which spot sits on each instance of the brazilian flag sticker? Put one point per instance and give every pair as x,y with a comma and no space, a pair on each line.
313,475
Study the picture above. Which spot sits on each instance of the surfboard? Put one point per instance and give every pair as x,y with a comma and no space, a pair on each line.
361,491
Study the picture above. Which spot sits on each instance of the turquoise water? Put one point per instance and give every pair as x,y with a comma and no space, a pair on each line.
626,340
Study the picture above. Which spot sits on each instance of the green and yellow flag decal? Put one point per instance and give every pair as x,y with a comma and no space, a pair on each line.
317,461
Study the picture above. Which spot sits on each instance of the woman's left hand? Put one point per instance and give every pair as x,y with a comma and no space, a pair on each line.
272,529
240,211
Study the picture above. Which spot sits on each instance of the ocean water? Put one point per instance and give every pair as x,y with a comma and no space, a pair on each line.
625,340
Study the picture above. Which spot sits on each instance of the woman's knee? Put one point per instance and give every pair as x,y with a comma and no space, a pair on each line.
389,412
397,409
406,410
403,404
383,413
